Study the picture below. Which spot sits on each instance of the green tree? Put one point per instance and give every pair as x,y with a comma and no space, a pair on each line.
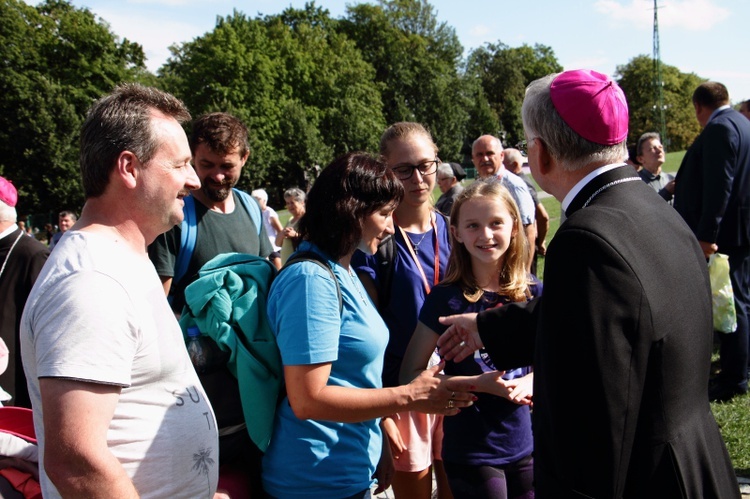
637,81
504,72
302,88
56,59
416,61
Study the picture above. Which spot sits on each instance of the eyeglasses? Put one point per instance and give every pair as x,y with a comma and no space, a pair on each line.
523,146
405,171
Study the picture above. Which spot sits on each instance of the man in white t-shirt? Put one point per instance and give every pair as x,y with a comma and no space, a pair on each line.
118,408
271,222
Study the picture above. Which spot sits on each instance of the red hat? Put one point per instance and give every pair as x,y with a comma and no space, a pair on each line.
8,193
592,105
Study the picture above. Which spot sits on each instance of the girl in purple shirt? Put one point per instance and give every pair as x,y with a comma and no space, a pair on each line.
487,447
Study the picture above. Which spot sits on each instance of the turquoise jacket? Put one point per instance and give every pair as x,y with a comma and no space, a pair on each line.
228,303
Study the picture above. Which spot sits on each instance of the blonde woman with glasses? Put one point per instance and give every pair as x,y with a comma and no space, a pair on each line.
398,278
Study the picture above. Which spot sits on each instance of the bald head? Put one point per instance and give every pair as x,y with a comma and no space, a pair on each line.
513,160
487,155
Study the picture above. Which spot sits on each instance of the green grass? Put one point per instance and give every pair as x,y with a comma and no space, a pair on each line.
733,418
673,161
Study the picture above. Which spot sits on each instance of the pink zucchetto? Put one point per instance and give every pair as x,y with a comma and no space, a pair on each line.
592,105
8,193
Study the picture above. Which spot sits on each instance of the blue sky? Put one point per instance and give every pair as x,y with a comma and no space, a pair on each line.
700,36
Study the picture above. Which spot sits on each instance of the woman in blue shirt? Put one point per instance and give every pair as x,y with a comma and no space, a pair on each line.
327,441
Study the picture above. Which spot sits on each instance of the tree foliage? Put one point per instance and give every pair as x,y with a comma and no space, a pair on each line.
309,87
504,72
637,81
56,59
302,88
416,61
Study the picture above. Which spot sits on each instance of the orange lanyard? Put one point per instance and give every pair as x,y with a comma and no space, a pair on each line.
410,247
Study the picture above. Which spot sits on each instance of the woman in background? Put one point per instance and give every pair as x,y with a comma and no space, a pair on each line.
421,247
294,199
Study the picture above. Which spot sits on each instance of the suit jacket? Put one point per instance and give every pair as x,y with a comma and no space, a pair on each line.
21,270
446,200
621,343
712,192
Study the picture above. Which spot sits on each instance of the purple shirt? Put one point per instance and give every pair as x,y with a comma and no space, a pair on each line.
493,431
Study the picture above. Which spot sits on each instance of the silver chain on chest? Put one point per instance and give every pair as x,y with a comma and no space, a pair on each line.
607,186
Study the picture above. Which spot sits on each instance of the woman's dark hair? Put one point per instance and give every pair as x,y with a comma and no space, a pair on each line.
350,188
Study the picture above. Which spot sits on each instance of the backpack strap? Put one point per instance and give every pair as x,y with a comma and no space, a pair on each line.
385,257
311,256
188,235
189,229
251,207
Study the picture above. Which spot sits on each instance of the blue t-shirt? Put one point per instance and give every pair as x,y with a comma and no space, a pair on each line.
494,431
309,458
407,289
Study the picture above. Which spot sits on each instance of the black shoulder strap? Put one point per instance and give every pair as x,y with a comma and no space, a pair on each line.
445,217
310,256
385,257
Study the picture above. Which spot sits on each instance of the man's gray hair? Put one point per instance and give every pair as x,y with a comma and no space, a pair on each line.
7,213
643,138
541,120
445,170
122,121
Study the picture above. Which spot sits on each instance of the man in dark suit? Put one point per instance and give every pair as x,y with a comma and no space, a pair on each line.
714,183
21,260
621,339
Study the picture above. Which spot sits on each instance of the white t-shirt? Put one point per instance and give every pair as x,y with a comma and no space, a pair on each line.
268,214
98,313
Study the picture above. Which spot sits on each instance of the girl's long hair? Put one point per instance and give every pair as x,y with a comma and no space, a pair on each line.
512,275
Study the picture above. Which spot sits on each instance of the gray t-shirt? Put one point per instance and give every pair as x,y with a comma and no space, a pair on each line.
97,313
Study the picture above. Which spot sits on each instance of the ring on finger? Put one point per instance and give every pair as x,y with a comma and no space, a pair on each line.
462,344
453,395
450,404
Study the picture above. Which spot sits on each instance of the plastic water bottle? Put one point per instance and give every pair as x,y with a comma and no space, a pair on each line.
198,349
